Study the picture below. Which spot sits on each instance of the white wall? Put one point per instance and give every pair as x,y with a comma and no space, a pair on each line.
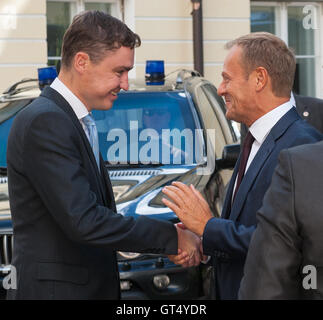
23,46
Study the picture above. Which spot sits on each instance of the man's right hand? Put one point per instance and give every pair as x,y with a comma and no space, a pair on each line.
189,245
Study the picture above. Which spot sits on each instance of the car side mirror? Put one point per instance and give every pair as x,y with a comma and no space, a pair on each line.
229,158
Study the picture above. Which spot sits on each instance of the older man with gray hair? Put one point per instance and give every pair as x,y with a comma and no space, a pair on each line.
258,76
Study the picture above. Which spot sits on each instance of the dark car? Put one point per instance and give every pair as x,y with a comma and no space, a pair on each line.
156,133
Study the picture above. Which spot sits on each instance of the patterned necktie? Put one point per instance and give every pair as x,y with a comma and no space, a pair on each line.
92,136
247,144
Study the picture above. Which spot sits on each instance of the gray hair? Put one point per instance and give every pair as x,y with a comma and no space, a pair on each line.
263,49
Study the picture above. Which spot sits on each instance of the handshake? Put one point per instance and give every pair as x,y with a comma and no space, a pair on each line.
190,250
192,209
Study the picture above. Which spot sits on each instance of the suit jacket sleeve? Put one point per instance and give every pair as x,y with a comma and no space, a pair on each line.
226,239
53,161
274,257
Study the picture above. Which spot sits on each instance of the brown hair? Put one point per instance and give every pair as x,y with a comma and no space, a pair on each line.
262,49
96,32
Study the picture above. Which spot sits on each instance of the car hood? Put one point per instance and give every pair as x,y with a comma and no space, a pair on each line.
139,191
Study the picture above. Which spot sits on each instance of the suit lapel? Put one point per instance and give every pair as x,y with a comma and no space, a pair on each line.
59,100
259,161
227,202
108,196
251,174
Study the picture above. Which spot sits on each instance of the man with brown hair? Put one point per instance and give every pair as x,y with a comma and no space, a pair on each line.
64,216
257,81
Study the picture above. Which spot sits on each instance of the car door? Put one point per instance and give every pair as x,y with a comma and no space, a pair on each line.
211,110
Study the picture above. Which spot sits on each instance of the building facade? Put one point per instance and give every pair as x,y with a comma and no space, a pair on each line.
31,33
299,24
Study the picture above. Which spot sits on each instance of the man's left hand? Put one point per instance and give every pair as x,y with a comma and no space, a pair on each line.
189,205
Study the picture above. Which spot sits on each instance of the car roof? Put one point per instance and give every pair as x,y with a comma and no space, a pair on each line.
140,85
32,92
28,88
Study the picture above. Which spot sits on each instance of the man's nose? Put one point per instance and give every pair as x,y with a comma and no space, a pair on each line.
124,81
221,89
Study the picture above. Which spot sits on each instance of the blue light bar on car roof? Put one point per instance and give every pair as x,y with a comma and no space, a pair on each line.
155,72
46,76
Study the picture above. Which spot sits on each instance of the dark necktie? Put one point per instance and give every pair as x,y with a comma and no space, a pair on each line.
247,144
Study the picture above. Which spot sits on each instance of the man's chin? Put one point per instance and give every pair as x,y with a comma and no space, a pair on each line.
229,115
105,106
232,116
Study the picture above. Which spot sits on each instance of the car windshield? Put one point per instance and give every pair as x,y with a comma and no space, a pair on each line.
148,128
141,128
7,112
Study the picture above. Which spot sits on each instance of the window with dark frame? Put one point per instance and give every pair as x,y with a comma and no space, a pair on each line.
59,16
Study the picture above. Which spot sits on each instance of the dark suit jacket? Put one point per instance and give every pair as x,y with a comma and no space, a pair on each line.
227,239
63,211
311,110
289,234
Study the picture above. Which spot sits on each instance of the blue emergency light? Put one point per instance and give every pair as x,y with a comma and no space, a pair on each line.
46,76
155,72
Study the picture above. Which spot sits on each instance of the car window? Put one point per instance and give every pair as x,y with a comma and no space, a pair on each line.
7,112
210,120
8,109
147,127
4,133
219,108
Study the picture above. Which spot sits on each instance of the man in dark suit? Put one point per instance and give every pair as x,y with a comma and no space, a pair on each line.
311,110
257,80
285,255
64,216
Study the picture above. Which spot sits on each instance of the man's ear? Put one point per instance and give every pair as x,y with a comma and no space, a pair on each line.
81,61
261,78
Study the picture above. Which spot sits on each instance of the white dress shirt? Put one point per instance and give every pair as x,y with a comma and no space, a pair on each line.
261,128
77,105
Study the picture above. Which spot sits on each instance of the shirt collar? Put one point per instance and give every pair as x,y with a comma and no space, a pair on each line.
262,126
77,105
292,99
